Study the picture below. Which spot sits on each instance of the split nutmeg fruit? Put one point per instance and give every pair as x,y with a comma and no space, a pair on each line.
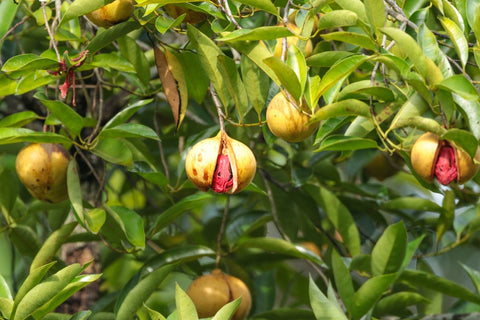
42,168
221,163
111,14
435,158
211,292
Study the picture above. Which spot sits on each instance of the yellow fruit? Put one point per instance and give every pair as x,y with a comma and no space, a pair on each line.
42,168
307,51
211,292
224,164
111,14
432,158
191,16
286,121
383,166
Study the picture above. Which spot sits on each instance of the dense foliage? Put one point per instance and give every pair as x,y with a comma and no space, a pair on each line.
337,226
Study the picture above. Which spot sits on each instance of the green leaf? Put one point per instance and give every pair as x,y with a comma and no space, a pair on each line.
8,10
344,143
339,216
474,276
322,307
72,121
228,310
183,253
414,106
25,240
375,10
456,35
6,306
259,33
264,5
29,62
463,139
369,293
81,7
234,84
114,151
439,284
460,85
129,130
127,308
337,19
472,12
296,61
389,252
343,280
411,203
44,291
5,289
398,302
349,107
338,72
445,221
354,38
327,58
74,189
470,110
281,246
185,307
123,116
110,61
130,50
256,84
286,75
130,223
95,218
364,89
355,6
176,210
51,246
106,37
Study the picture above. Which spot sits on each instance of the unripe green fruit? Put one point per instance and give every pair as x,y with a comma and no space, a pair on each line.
42,168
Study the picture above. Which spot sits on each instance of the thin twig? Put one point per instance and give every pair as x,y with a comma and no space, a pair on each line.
9,32
218,105
228,12
222,232
283,56
49,30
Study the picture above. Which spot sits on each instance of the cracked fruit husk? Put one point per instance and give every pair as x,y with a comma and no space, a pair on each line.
221,163
211,292
42,168
435,158
287,121
112,14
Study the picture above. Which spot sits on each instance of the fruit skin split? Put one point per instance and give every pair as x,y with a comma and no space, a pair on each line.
42,168
432,158
224,156
211,292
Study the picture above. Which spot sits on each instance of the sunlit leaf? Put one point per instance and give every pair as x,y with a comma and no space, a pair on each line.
456,35
322,307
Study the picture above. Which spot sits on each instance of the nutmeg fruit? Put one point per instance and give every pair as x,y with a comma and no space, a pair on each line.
112,13
191,16
433,157
307,51
211,292
42,168
287,120
221,163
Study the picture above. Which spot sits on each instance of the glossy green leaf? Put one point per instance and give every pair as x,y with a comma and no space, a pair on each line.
414,106
130,222
44,291
445,221
51,246
339,216
456,35
29,62
5,289
439,284
208,53
338,72
264,5
474,276
375,10
228,310
364,89
322,307
176,210
355,6
8,85
337,19
460,85
154,315
343,280
114,151
398,302
32,81
470,110
287,76
72,121
296,61
25,240
463,139
129,130
185,307
111,61
327,58
106,37
137,296
281,246
124,115
8,10
197,86
257,52
234,84
259,33
350,107
94,219
81,7
9,195
135,55
6,306
369,293
389,251
182,253
412,203
256,83
74,189
472,11
344,143
163,23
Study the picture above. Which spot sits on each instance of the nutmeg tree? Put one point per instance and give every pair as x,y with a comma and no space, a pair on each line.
249,159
